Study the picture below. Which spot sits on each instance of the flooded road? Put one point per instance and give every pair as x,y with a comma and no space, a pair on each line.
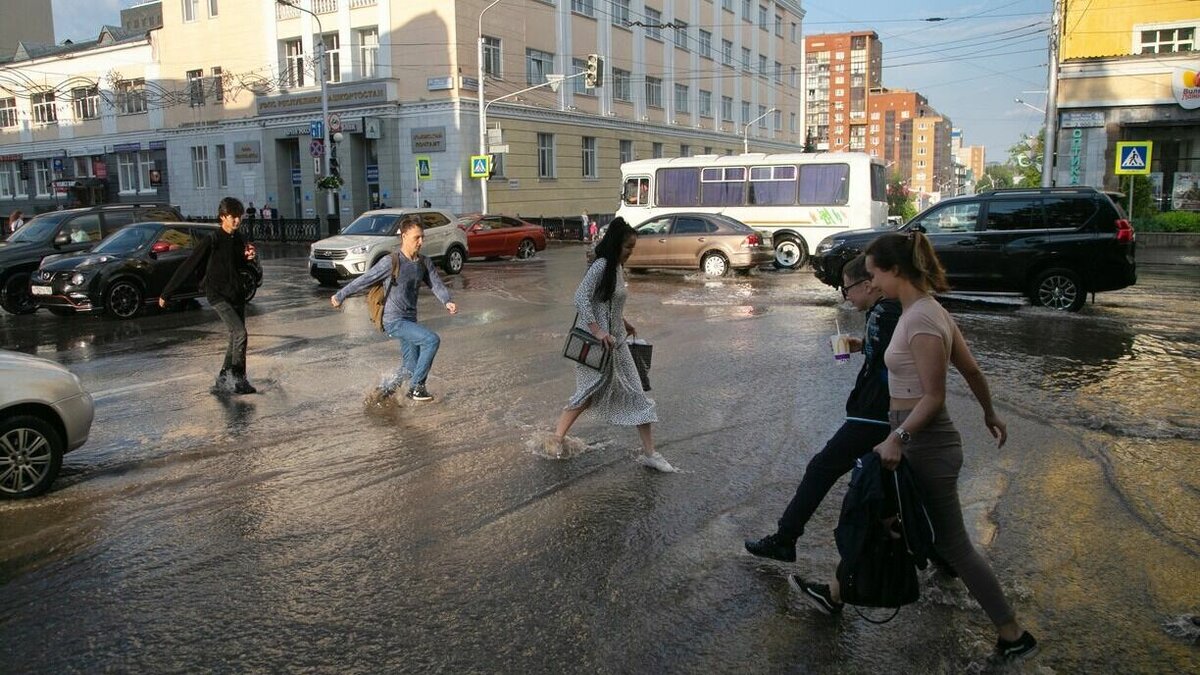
298,529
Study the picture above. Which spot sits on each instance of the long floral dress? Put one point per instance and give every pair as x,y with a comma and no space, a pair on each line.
616,392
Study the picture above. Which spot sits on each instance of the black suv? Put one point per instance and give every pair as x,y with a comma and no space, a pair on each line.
127,271
67,231
1054,245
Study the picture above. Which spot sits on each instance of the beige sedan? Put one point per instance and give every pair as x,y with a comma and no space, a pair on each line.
712,243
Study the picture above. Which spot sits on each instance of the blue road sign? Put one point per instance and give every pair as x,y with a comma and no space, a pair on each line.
316,129
1133,157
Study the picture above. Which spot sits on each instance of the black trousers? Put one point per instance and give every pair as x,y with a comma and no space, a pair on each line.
836,459
234,317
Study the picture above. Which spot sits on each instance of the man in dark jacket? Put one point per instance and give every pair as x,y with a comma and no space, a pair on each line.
222,258
866,422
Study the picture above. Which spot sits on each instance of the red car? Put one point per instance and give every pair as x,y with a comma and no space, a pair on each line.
490,236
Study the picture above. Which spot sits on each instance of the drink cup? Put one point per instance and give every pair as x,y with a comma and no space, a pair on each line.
841,347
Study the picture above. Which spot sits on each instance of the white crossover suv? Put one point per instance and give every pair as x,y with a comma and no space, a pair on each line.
374,234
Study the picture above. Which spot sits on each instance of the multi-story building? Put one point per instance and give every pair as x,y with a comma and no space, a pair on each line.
840,71
1128,73
27,21
231,92
932,161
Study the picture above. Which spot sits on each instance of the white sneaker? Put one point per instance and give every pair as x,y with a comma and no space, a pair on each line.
656,462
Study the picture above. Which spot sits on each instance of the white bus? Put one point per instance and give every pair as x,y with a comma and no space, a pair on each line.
794,200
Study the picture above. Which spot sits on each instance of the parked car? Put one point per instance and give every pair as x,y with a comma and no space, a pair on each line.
490,236
44,414
710,242
66,231
1054,245
127,271
374,234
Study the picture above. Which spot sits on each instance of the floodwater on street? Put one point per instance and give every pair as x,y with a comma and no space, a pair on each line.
299,529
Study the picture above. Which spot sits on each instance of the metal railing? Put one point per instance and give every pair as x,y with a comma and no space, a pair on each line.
282,230
285,12
325,6
567,228
361,3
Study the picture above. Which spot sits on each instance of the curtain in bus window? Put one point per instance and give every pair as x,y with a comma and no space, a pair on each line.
822,184
722,186
678,187
772,185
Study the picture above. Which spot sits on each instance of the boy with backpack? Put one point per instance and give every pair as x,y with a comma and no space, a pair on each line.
399,276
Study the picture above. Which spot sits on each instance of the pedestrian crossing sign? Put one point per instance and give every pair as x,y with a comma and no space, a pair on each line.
479,166
1133,158
424,167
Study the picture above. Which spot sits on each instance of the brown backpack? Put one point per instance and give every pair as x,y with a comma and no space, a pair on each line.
377,294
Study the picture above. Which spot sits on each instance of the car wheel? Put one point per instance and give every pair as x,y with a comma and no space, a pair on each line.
15,297
790,253
714,265
61,311
124,299
453,263
1059,288
31,453
526,249
249,287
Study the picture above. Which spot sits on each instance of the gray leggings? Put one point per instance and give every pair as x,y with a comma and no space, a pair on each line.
935,454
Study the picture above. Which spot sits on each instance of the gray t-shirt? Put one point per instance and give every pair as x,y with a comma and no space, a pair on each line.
402,300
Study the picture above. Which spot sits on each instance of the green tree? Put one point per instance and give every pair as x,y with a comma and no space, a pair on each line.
995,177
1025,157
900,201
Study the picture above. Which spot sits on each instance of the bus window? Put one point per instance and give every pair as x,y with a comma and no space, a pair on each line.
824,184
772,185
723,186
678,187
878,183
637,191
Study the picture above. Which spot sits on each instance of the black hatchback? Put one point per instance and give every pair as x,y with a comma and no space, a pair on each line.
1053,245
126,271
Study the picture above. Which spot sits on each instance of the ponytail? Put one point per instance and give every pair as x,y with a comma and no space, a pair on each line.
912,257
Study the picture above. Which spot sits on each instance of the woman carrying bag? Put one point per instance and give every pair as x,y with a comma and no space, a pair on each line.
615,391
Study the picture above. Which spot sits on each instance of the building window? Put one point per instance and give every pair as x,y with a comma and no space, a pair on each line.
620,12
145,166
762,17
222,167
333,57
727,5
792,122
620,86
778,25
653,24
83,167
583,7
727,52
705,103
191,8
86,102
9,180
218,85
705,44
545,155
792,77
745,112
682,99
746,59
685,150
133,172
795,30
747,10
41,177
726,108
131,97
538,64
368,53
778,121
200,167
8,112
654,92
681,36
196,87
293,51
778,72
44,111
589,157
491,57
656,150
578,84
212,7
1166,40
762,65
625,151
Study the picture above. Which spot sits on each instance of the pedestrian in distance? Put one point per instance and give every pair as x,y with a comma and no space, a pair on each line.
866,422
15,221
426,204
904,267
418,344
615,394
222,257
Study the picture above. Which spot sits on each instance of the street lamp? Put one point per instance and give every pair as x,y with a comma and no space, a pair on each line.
746,130
324,101
483,186
1029,105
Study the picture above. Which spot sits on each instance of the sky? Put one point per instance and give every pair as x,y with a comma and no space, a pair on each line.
970,66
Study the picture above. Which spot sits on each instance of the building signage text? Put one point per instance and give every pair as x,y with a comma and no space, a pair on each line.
428,139
1185,84
338,96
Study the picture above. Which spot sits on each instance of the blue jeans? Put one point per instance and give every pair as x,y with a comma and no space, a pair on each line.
418,345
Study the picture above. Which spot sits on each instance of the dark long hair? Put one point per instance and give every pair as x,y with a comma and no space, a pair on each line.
912,257
609,249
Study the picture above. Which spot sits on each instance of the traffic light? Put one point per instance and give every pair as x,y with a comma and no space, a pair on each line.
595,71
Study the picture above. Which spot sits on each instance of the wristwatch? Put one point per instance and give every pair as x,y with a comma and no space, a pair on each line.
904,436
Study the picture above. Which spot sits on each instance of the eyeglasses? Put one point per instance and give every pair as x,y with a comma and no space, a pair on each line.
846,289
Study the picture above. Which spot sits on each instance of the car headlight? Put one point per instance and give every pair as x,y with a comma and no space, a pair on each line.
828,245
77,279
359,250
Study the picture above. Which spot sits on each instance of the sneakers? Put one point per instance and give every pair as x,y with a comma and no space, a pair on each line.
773,546
1022,647
818,595
656,462
420,393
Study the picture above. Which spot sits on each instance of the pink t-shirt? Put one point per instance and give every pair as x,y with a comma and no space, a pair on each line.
925,316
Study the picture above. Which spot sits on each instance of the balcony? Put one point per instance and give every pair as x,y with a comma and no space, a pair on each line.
362,3
283,12
325,6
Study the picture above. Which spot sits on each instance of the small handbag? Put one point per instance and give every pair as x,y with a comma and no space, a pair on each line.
642,351
584,348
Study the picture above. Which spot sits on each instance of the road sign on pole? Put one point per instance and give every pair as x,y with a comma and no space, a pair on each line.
1133,158
335,122
424,167
316,129
316,148
479,166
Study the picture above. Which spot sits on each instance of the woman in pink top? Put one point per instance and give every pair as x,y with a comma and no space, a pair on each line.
926,341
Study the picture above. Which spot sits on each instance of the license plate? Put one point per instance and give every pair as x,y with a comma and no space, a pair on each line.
327,264
41,290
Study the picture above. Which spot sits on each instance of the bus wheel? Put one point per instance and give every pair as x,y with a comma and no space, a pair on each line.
790,253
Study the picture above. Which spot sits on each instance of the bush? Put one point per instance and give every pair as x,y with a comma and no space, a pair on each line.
1171,221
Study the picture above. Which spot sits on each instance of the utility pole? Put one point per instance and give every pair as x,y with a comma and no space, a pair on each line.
1050,134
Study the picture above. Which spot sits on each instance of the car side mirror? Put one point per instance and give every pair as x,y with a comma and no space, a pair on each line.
920,228
61,239
160,247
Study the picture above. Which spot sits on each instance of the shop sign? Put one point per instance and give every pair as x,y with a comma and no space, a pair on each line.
10,158
1076,155
247,152
428,139
1185,84
158,145
372,173
1075,120
439,83
127,147
339,96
